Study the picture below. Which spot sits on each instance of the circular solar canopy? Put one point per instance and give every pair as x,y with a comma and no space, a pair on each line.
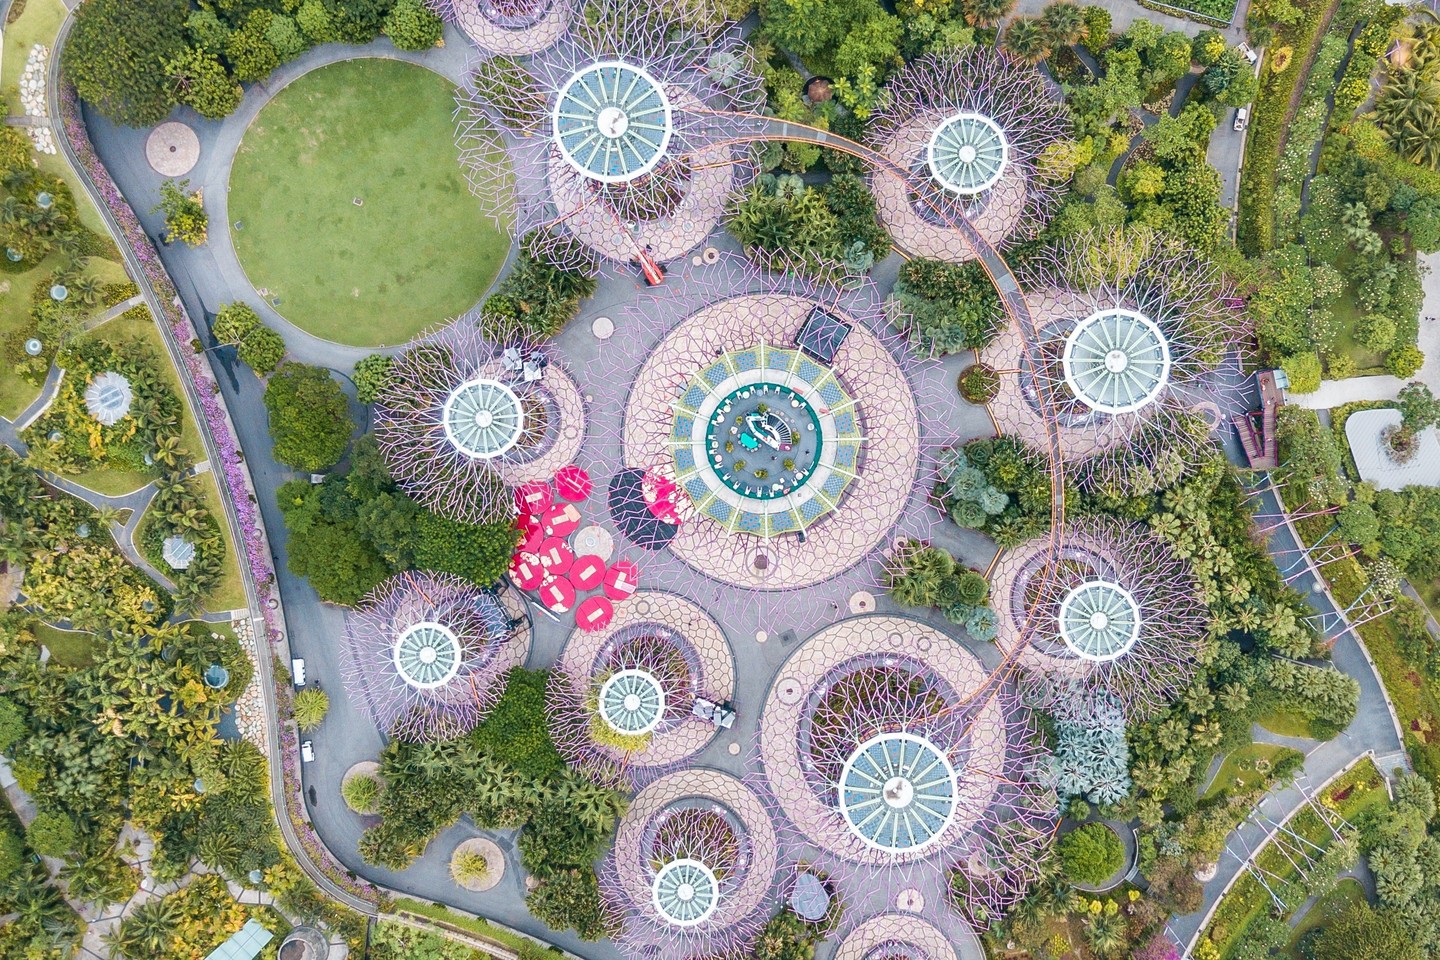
686,892
632,701
967,153
612,121
1099,620
897,792
427,655
1116,361
483,418
108,398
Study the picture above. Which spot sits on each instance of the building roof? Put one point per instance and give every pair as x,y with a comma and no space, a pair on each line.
821,335
245,944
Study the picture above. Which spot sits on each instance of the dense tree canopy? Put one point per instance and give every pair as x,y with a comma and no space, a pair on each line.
309,417
118,56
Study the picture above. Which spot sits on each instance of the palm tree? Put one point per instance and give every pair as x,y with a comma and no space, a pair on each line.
87,288
1026,40
11,211
1063,23
987,13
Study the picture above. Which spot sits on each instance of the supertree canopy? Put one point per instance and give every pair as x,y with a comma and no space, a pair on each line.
462,420
428,653
971,129
1134,332
904,936
625,131
508,27
884,744
620,702
1115,616
693,864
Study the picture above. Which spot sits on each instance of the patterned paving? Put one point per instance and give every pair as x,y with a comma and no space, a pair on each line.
806,673
903,934
585,660
889,462
562,441
518,40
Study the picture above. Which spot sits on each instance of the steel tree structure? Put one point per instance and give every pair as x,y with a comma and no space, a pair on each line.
974,132
625,132
693,865
508,27
1116,616
428,654
893,755
620,702
462,420
1136,337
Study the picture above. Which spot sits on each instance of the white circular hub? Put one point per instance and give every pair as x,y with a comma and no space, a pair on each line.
427,655
897,792
1099,621
967,153
612,122
1116,361
483,418
631,702
685,892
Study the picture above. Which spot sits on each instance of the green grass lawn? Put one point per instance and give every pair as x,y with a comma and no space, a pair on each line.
1347,893
1242,765
1347,313
419,250
71,648
1289,725
37,23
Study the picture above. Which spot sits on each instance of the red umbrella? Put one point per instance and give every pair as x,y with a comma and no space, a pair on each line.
534,497
594,613
587,572
562,521
622,580
573,483
527,571
558,594
531,539
660,492
556,557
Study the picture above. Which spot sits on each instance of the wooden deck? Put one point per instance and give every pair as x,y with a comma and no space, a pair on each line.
1262,448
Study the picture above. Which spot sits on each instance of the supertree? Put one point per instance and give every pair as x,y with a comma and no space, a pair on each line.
908,935
1134,333
428,653
626,131
1116,615
886,746
620,699
973,130
693,865
508,27
462,420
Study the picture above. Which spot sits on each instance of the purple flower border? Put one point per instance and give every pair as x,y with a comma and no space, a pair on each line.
237,477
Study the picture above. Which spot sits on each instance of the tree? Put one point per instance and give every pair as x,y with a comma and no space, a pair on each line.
207,31
1091,853
309,417
1419,408
372,373
249,50
285,37
986,13
1376,331
202,82
1025,40
1363,931
1404,362
185,216
1358,523
262,350
12,724
478,552
311,705
51,834
1423,222
1063,23
117,54
340,564
411,25
234,322
1207,47
12,854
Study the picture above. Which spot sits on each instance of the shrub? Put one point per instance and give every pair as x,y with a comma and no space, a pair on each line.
185,216
310,707
362,793
234,322
262,350
309,417
979,383
516,731
1376,331
12,854
372,373
411,26
1303,369
1404,362
51,834
469,867
1090,854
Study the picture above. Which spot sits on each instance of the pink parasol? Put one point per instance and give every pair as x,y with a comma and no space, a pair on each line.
573,483
587,572
562,521
534,497
527,571
558,594
622,580
594,613
556,557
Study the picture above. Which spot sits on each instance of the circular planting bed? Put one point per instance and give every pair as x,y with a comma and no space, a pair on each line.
477,865
349,210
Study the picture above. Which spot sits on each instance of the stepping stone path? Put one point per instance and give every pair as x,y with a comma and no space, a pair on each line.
32,96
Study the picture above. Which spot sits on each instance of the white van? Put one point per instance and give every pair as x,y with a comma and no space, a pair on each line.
297,671
1242,118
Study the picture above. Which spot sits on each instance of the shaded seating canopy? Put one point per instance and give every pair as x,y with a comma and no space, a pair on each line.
558,594
622,580
821,335
633,515
594,613
573,483
588,572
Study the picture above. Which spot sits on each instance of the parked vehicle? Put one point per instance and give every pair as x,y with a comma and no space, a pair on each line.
1242,118
1247,52
297,665
307,750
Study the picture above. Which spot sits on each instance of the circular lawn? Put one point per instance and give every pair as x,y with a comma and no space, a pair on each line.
348,208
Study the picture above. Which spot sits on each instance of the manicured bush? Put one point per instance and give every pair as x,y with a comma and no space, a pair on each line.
1404,362
411,26
1303,369
516,732
372,373
309,417
979,383
361,793
310,707
1090,854
51,834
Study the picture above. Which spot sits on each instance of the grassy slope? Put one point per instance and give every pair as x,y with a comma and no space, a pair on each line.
419,250
1240,765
